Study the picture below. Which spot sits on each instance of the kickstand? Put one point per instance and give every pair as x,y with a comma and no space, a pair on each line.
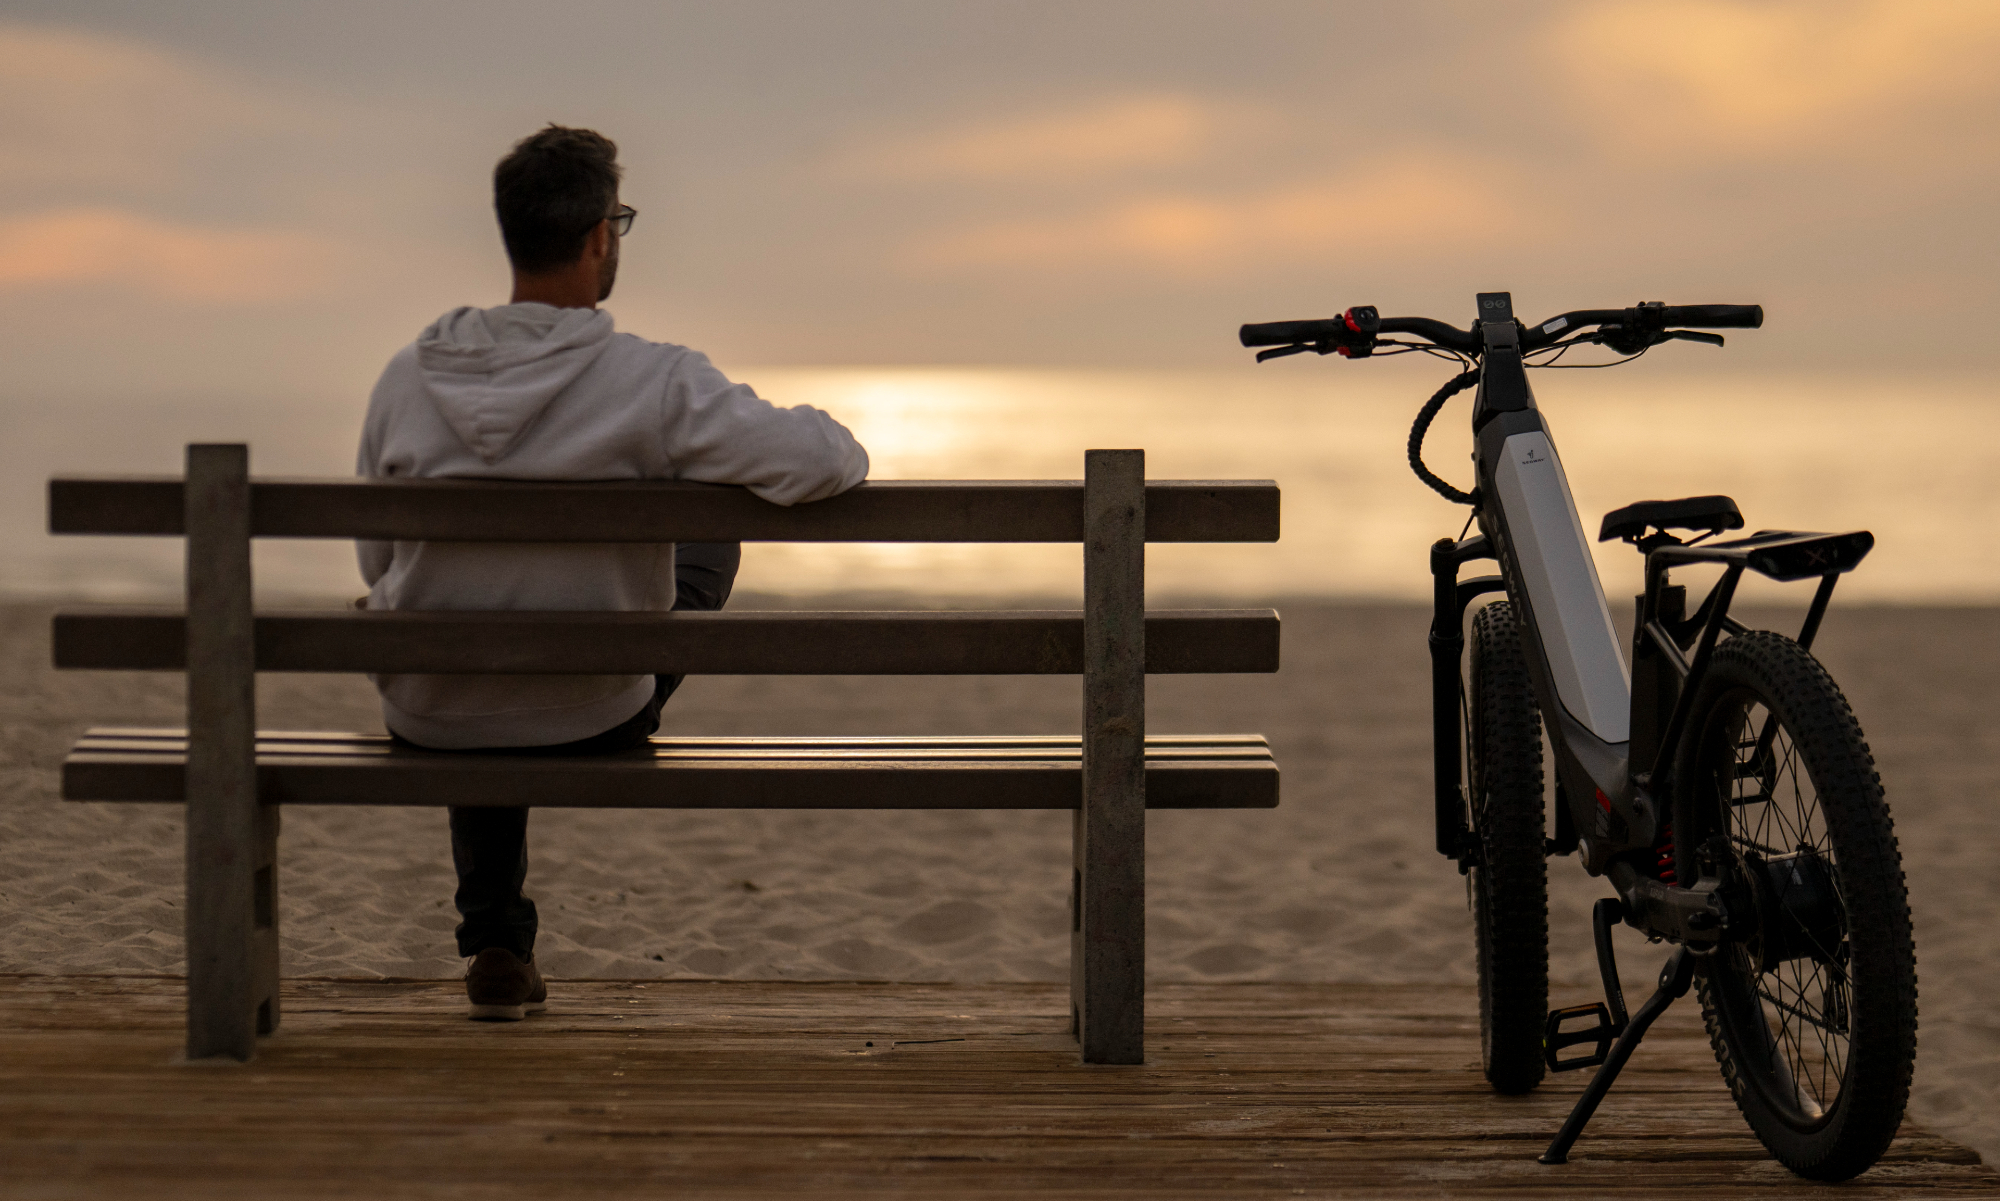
1674,980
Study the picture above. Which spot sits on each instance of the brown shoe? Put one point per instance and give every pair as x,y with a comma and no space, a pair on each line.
503,987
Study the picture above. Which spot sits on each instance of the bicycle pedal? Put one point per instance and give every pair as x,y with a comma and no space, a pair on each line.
1554,1038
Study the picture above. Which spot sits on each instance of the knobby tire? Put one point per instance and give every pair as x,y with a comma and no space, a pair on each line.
1509,882
1813,1018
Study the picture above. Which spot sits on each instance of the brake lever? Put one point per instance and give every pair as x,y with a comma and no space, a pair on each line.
1690,335
1279,352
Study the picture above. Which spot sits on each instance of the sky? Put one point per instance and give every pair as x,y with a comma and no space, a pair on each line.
247,195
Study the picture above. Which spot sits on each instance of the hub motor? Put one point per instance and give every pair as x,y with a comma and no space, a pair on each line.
1798,909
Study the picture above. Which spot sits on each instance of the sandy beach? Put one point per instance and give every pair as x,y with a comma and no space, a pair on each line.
1338,884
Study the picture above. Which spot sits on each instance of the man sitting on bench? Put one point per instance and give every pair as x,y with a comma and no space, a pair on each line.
542,388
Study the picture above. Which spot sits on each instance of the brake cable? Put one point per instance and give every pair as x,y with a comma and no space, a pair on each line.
1453,387
1460,383
1470,376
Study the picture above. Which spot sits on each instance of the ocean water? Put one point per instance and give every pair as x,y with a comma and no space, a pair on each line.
1910,459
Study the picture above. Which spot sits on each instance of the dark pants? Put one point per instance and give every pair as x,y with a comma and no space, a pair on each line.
489,846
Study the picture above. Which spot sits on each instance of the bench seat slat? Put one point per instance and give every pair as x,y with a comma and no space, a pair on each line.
667,510
307,750
325,768
1006,642
155,734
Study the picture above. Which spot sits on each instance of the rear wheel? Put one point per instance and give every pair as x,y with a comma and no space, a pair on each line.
1811,1005
1509,883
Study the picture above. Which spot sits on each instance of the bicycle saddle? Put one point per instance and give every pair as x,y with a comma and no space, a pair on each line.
1712,513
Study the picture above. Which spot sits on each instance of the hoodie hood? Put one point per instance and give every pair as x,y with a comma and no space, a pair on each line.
491,372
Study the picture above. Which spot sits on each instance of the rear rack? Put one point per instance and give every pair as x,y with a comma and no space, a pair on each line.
1779,554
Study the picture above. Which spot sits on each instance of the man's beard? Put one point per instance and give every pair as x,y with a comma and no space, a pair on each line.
607,272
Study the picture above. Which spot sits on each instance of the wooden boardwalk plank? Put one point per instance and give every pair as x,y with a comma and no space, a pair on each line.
729,1089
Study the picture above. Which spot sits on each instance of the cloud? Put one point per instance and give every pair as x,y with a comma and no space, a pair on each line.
1784,76
85,111
85,246
1389,207
128,169
1116,134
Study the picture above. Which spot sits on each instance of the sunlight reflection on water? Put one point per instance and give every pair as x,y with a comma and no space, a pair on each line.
1909,460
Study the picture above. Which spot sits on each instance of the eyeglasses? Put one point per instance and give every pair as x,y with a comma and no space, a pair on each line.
621,221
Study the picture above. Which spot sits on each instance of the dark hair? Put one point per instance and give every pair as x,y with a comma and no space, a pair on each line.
550,191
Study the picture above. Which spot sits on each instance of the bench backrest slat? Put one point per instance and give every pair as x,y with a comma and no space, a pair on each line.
1186,641
667,511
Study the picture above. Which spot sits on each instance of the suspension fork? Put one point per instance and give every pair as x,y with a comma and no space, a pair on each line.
1447,642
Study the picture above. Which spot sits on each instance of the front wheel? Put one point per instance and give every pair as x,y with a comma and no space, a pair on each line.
1811,1004
1509,881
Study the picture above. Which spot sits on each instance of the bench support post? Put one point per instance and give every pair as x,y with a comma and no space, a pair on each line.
232,870
1108,902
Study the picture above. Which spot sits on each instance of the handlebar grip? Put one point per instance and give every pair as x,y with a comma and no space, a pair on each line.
1716,316
1286,333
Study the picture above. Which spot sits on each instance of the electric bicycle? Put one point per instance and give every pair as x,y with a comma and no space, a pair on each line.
1721,784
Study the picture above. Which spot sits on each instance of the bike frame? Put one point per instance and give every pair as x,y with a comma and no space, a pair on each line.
1613,731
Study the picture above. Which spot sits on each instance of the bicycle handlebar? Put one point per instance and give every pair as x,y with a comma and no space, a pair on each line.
1342,332
1284,333
1348,332
1651,317
1716,316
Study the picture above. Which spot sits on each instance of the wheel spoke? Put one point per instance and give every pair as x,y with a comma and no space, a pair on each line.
1769,807
1759,847
1794,1011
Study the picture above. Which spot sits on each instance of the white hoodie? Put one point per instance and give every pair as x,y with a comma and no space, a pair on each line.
533,392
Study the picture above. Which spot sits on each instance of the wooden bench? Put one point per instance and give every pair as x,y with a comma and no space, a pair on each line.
233,778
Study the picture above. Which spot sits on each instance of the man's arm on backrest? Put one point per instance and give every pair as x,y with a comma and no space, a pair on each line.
720,432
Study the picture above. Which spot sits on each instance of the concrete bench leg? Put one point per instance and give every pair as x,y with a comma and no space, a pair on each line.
232,841
1108,901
